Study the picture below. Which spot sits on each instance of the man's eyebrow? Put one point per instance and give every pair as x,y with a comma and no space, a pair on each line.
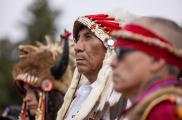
86,33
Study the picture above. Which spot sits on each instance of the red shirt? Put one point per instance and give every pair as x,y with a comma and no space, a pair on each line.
165,110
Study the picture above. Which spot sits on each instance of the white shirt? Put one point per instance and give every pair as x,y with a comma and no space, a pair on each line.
82,94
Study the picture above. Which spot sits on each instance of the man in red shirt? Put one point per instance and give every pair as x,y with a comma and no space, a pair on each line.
148,68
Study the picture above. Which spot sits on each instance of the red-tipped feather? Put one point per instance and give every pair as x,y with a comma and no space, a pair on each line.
97,15
66,34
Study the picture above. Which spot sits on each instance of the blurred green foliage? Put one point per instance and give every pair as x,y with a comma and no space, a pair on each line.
8,94
42,21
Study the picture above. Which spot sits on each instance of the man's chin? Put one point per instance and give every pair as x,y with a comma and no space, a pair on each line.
33,112
82,69
117,89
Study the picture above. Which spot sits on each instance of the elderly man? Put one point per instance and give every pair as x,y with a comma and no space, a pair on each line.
148,67
90,95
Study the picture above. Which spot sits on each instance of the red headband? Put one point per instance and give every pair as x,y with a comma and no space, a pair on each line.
140,38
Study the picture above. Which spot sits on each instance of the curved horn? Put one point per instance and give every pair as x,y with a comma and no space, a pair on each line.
59,69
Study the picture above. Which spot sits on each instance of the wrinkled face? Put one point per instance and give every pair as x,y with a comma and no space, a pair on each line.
90,52
130,70
31,101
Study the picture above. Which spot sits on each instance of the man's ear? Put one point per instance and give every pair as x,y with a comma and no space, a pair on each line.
157,65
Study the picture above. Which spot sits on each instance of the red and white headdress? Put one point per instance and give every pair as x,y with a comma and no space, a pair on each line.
100,24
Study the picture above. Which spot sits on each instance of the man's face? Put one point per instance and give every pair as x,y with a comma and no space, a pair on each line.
31,101
131,70
89,51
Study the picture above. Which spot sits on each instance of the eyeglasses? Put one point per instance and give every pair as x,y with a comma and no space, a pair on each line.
121,52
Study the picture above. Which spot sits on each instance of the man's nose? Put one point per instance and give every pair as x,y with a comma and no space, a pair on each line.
79,46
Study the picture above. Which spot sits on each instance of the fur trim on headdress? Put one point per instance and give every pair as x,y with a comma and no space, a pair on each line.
35,63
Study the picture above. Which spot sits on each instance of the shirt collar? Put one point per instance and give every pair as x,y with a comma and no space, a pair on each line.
92,85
